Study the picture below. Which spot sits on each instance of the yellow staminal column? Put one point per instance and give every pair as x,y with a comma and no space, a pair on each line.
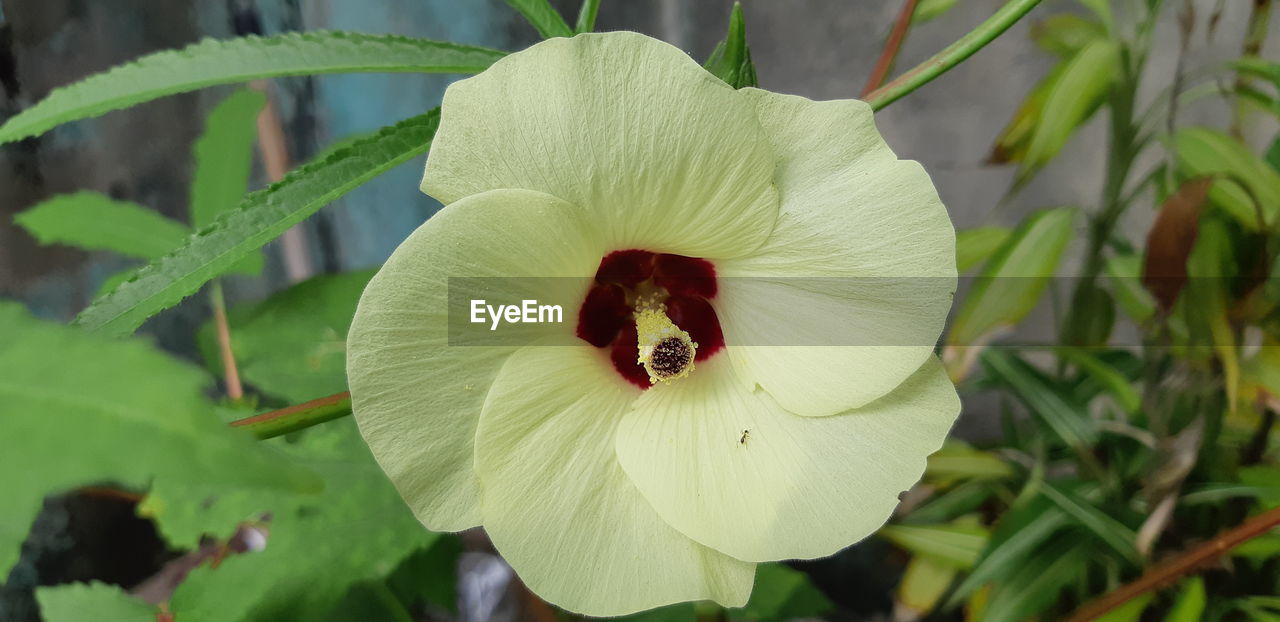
665,351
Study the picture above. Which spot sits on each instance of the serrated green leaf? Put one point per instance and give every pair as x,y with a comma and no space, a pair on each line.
783,593
224,155
293,344
260,218
731,59
357,530
543,17
1011,282
1074,97
1242,176
80,409
1111,531
93,221
1048,403
927,10
76,602
587,16
974,246
211,62
1189,607
957,545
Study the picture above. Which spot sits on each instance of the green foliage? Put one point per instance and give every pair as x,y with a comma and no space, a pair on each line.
731,59
1074,96
781,593
927,10
76,602
212,62
134,416
293,344
261,217
93,221
974,246
543,17
587,16
319,545
224,155
1189,607
1247,187
1011,282
957,544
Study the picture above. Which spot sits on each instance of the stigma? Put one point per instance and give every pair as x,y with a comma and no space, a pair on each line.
665,351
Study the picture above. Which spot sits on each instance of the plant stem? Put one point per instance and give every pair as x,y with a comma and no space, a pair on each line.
230,373
891,47
1184,564
952,55
298,417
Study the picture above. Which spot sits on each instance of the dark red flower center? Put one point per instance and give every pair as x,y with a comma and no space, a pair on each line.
606,319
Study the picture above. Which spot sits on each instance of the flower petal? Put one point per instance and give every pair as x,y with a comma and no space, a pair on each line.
851,290
733,470
558,506
667,157
416,398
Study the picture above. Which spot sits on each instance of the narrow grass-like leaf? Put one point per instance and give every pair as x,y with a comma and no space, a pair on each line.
1008,549
1109,377
1246,187
212,62
93,221
1046,403
1189,607
1117,536
261,217
956,545
543,17
731,59
587,16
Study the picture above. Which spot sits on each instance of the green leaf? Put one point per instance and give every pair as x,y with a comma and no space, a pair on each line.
958,500
1258,67
587,16
1047,402
1114,534
1189,607
1011,282
923,584
542,16
1109,377
731,59
211,62
1243,176
1124,273
1011,144
76,602
974,246
1036,586
81,409
927,10
93,221
958,461
293,344
1065,34
1130,611
679,612
224,156
956,544
1074,97
430,576
783,593
1020,532
261,217
357,530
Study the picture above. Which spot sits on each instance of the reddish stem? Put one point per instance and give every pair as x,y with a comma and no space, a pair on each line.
1174,569
891,47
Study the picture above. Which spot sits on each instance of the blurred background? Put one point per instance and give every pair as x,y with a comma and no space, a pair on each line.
822,49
